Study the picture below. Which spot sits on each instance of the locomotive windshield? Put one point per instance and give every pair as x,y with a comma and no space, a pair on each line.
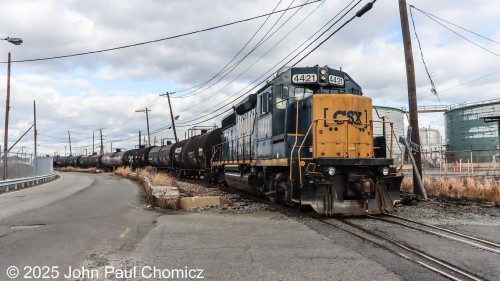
305,92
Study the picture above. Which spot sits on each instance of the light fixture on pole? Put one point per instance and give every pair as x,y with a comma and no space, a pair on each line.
15,41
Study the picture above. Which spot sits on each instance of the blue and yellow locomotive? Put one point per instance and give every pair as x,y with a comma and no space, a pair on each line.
306,138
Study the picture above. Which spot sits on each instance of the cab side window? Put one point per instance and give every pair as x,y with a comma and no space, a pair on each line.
302,93
281,97
264,99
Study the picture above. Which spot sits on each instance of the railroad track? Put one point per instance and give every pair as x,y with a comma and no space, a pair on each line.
441,232
398,248
403,250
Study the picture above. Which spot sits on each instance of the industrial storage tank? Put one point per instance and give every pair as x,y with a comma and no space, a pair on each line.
429,137
394,115
470,129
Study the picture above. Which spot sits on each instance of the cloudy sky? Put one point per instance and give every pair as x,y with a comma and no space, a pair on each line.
208,71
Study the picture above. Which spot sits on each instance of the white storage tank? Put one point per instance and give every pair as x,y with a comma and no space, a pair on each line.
394,115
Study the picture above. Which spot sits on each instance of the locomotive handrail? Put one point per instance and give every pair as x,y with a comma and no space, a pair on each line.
296,135
235,139
300,148
308,131
314,123
393,136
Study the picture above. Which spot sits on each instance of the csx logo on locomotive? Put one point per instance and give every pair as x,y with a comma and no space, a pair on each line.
351,116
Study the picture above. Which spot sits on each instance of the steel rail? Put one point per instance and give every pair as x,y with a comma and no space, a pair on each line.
409,249
495,247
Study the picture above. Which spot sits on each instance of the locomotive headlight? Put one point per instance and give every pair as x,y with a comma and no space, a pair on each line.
323,71
323,78
385,171
331,171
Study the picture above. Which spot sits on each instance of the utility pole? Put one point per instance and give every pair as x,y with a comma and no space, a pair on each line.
412,88
34,122
147,122
102,144
171,114
6,133
93,142
69,139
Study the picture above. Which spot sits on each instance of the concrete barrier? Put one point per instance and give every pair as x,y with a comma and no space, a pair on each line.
188,203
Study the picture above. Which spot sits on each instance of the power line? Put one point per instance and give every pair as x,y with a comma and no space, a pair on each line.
433,87
281,61
161,39
260,43
224,69
458,34
358,14
448,22
272,68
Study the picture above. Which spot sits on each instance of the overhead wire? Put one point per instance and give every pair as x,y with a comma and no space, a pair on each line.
433,86
156,40
272,68
358,14
225,68
435,19
261,41
281,61
229,103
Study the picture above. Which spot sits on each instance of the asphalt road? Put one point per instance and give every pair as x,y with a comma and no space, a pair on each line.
69,223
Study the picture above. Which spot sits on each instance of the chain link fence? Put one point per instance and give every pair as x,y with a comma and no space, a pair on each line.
22,165
459,163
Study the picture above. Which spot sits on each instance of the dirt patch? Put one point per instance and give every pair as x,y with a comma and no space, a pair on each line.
451,212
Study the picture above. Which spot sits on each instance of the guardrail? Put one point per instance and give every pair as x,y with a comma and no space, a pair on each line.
15,184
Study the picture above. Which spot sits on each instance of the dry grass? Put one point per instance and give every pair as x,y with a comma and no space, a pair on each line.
478,189
67,169
158,179
164,179
123,171
95,171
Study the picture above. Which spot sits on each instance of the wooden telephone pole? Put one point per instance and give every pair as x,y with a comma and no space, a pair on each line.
171,115
412,88
147,123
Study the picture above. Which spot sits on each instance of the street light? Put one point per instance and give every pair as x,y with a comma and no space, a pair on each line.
15,41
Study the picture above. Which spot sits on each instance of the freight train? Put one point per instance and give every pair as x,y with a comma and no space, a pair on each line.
305,138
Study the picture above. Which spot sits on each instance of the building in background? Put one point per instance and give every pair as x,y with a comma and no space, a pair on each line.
394,115
431,145
472,132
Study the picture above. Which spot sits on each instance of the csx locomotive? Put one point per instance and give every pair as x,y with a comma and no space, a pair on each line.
305,138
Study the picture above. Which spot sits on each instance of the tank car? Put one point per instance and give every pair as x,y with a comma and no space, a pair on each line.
197,153
84,161
160,157
141,157
306,138
112,159
95,160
